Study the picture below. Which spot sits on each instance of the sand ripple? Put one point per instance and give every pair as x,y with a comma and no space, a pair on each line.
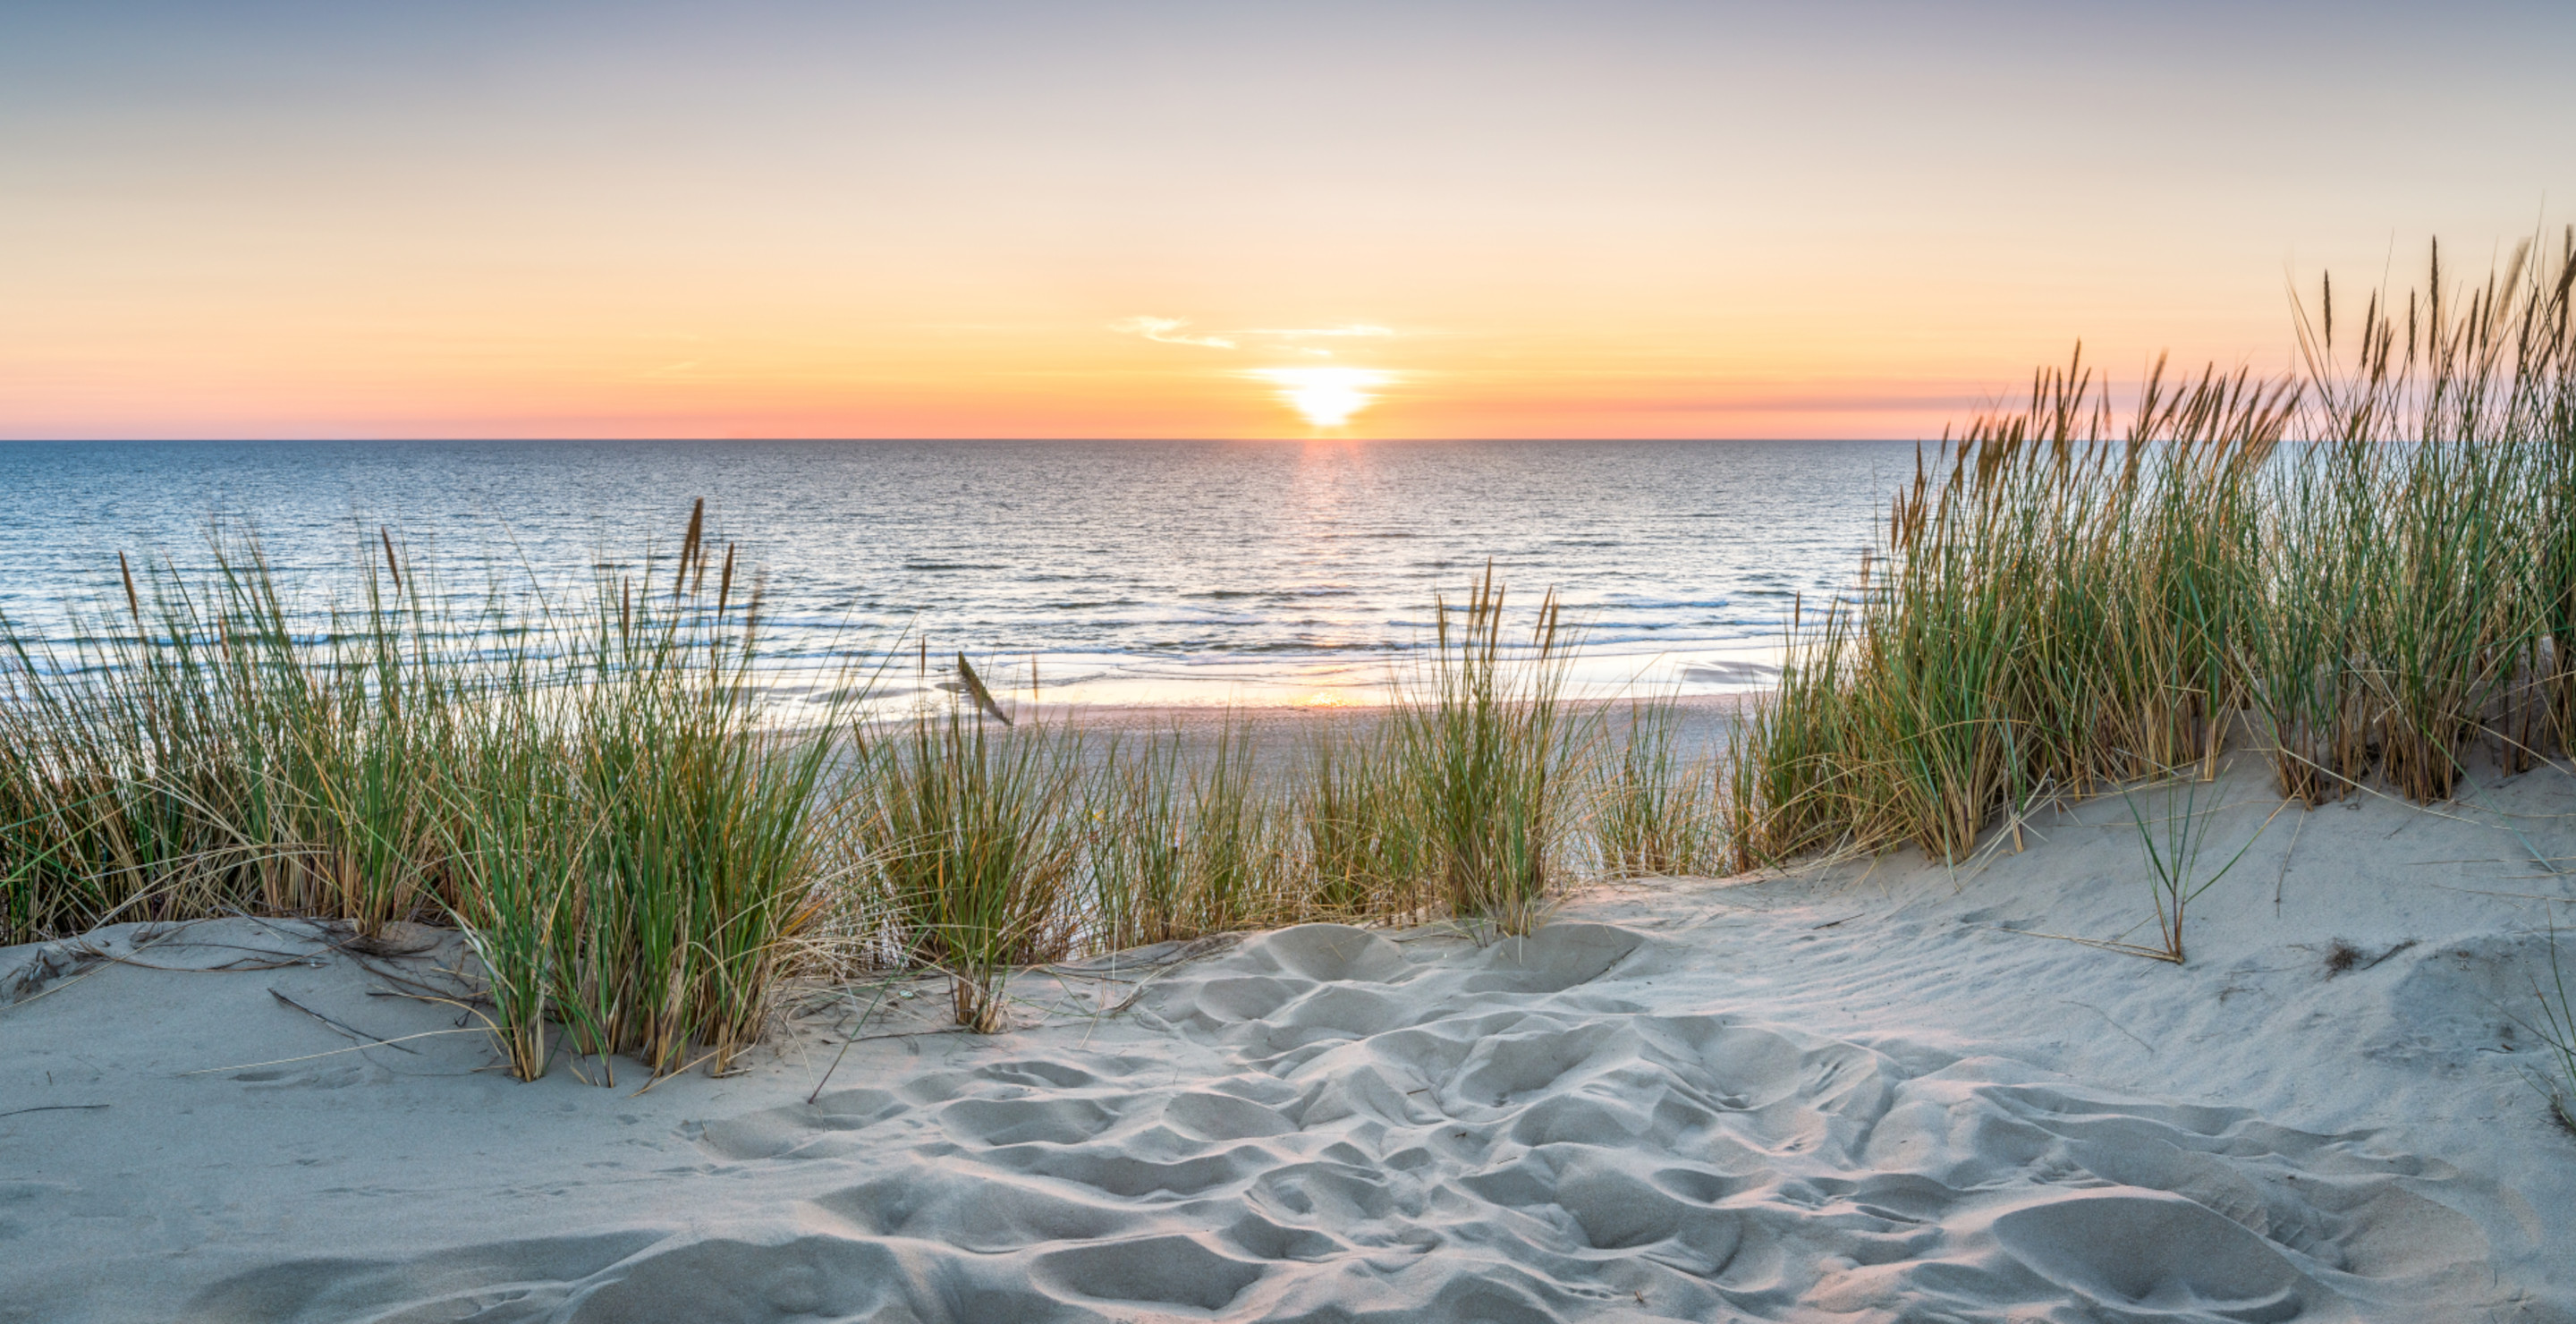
1540,1130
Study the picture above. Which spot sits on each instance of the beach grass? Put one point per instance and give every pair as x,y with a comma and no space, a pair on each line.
522,844
592,788
1236,874
2556,1030
1651,808
588,789
2367,566
973,837
1484,754
2173,843
1138,807
714,819
1366,850
191,752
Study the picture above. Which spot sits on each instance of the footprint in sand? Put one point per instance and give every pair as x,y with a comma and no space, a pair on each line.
1530,1131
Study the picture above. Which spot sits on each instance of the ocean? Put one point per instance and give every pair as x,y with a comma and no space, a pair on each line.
1116,572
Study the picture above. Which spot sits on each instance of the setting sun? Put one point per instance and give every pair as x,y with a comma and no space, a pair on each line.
1327,397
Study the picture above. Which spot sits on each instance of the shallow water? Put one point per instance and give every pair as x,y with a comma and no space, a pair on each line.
1133,572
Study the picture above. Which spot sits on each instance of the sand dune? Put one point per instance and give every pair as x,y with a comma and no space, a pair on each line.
1848,1095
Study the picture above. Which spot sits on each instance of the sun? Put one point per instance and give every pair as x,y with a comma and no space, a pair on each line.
1326,396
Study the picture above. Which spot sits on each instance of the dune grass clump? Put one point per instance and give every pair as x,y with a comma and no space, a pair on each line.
1790,780
2050,614
1367,853
713,822
973,837
590,790
2371,563
993,844
1651,809
193,751
1238,873
1486,756
523,847
1137,813
1187,842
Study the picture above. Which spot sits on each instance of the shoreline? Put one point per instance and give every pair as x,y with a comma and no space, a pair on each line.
1732,669
1152,717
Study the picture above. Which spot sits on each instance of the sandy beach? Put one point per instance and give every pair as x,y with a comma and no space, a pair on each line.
1023,663
1866,1091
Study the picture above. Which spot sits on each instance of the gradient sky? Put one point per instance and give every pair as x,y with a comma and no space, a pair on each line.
1029,219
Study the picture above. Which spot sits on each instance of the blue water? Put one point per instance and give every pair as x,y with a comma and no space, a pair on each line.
1180,572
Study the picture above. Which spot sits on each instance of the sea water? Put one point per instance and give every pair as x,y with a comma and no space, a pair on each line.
1175,572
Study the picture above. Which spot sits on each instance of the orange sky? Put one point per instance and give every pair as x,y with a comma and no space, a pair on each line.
1571,220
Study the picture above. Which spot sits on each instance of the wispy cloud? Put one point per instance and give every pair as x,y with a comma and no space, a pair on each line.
1295,333
1176,331
1167,331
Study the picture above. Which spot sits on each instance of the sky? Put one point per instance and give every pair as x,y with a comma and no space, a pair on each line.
962,219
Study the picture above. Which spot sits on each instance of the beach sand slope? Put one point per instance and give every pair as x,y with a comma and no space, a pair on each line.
1849,1094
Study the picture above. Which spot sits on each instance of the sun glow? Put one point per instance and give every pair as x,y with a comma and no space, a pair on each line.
1326,396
